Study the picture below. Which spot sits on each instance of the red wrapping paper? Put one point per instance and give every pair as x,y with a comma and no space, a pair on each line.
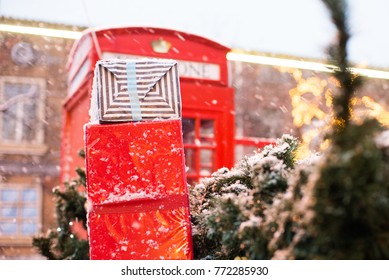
137,191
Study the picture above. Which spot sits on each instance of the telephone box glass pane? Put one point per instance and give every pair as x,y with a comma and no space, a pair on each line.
207,132
188,130
205,171
206,162
190,160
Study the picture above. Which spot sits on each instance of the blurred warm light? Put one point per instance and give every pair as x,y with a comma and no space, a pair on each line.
40,31
300,64
310,112
311,101
375,110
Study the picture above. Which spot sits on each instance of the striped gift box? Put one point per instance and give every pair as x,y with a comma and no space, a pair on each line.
135,90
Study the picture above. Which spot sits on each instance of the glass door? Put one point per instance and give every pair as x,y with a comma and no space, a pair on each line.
199,138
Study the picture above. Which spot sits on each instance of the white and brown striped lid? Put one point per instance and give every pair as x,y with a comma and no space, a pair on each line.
135,90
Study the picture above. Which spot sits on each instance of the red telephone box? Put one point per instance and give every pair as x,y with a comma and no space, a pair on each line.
207,99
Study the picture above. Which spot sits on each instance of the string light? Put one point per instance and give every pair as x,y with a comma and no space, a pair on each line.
49,32
300,64
231,56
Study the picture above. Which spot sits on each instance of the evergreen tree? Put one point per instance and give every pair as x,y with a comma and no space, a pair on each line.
64,242
350,194
329,206
227,208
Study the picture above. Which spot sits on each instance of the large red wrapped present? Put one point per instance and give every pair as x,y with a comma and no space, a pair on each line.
137,191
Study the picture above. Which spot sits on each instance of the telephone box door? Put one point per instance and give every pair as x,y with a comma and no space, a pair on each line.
208,129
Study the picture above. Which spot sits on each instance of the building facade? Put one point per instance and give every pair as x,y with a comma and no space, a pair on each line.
32,87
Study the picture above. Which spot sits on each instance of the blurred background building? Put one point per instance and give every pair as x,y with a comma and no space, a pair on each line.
274,95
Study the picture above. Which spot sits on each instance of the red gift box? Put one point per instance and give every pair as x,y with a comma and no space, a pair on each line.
137,191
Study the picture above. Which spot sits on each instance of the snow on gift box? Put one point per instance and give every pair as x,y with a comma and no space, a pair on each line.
135,167
134,90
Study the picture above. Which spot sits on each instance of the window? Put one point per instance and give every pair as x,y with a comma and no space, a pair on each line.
22,115
20,211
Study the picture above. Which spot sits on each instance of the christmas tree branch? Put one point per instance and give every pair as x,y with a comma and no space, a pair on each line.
348,81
